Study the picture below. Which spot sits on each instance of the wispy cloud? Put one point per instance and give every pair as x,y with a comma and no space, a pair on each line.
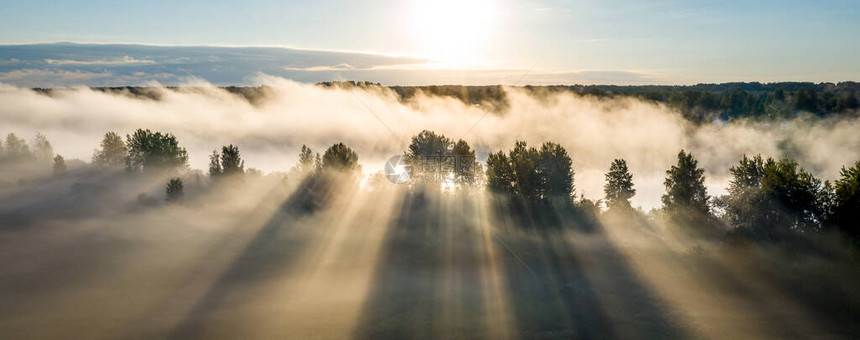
67,64
37,78
338,67
125,60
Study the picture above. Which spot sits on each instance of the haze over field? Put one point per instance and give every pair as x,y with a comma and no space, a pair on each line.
378,125
472,169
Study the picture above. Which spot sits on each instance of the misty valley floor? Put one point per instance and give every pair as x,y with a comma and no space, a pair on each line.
381,264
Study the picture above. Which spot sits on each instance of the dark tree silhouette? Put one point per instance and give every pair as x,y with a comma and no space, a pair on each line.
341,158
466,167
686,198
427,155
846,210
59,165
215,168
231,161
113,152
846,101
434,158
768,197
536,176
619,185
175,190
227,164
524,160
555,167
806,100
745,201
148,151
500,174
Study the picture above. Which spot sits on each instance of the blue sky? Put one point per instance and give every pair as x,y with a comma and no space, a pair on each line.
670,42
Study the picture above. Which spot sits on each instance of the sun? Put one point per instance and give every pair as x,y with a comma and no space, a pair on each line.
454,31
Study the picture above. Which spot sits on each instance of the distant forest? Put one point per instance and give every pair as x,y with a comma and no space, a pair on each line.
697,103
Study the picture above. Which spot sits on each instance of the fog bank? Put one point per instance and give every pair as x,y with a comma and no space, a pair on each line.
378,125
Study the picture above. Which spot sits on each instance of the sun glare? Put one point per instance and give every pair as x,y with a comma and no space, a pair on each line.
454,31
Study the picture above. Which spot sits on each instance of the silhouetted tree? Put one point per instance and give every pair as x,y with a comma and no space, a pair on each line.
537,176
43,152
686,198
806,100
226,164
745,200
215,168
466,167
846,210
768,197
555,168
113,152
527,176
59,165
231,161
619,185
154,151
500,174
340,157
175,190
847,101
427,157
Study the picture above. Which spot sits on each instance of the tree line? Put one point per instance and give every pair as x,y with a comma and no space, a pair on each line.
698,103
767,198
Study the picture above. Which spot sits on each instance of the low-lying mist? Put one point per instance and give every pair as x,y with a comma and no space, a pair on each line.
91,252
377,124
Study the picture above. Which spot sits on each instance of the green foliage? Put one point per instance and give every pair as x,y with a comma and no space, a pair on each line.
527,178
425,155
536,175
806,100
340,158
148,151
113,152
768,197
619,185
466,170
433,158
686,198
175,190
556,169
493,95
500,174
846,208
846,101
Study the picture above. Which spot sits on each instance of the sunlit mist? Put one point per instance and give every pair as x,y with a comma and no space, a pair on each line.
419,169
